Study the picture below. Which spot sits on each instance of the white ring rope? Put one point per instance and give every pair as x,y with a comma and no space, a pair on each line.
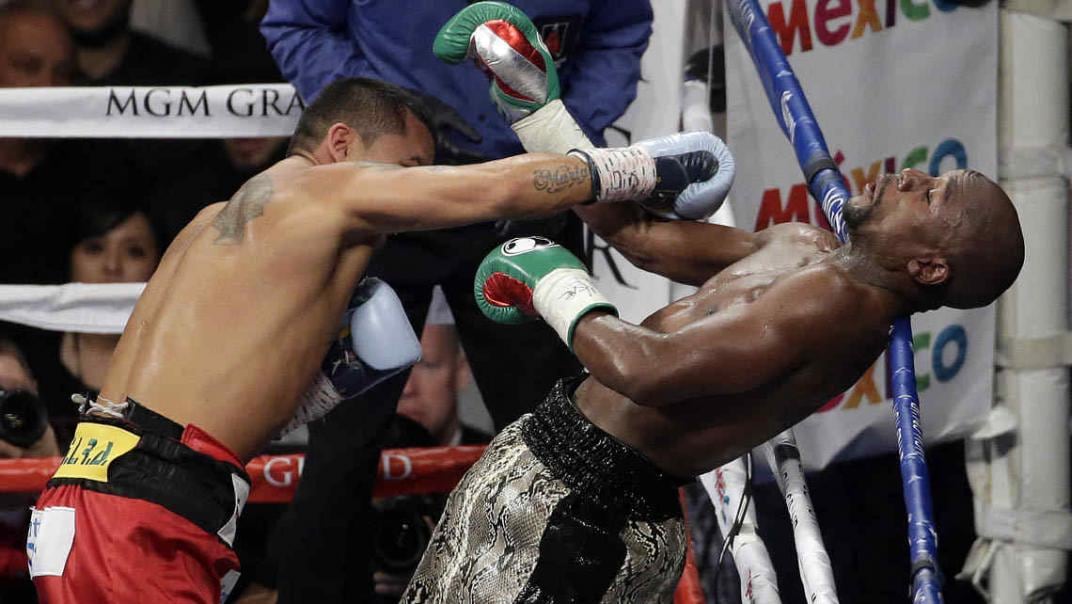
232,111
726,488
816,573
75,307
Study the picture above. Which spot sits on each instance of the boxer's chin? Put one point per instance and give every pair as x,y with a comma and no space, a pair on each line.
856,211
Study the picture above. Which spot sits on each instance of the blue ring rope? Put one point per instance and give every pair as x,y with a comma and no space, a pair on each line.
827,185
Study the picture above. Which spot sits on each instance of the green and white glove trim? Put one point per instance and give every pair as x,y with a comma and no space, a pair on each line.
565,295
551,129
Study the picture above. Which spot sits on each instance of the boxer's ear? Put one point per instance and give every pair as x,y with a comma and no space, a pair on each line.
932,270
343,143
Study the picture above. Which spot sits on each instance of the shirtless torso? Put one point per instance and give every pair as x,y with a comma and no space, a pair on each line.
235,320
234,323
796,330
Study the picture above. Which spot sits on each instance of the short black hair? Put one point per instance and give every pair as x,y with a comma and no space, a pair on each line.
370,107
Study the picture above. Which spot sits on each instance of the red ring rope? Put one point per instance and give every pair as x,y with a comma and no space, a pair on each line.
275,479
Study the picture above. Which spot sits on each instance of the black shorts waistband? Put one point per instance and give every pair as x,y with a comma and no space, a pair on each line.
160,469
151,422
591,461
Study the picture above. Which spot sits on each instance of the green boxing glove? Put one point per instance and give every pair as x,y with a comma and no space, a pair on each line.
532,277
505,43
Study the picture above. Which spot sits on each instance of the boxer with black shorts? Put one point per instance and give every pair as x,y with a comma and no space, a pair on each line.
576,502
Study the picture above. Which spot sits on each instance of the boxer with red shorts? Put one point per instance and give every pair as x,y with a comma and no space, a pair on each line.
156,504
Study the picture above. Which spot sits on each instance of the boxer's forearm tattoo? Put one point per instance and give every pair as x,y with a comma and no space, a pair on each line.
247,204
560,178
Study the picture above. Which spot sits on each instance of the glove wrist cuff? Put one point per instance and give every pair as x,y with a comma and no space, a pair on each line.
318,399
620,174
565,295
550,129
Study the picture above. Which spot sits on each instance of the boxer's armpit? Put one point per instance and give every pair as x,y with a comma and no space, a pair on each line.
247,204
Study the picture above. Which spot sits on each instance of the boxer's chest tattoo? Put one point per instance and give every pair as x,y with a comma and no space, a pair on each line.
247,204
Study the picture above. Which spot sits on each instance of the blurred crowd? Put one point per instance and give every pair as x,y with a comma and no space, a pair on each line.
104,210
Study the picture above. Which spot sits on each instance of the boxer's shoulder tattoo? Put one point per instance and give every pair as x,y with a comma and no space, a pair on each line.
247,204
560,178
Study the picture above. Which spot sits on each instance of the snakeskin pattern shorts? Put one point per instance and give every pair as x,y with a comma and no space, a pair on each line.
555,511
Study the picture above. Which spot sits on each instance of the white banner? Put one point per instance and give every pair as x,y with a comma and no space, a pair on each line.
894,85
248,110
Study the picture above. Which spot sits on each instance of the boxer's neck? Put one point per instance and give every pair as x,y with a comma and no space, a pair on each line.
895,286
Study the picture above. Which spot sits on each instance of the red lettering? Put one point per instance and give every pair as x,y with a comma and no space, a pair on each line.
832,403
771,210
787,31
826,12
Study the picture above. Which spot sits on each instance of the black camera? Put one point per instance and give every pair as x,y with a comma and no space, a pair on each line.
23,418
403,532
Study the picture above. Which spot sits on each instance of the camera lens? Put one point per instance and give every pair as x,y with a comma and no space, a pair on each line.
23,419
403,534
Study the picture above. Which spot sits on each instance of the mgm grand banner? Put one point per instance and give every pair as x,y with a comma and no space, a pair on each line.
150,111
894,84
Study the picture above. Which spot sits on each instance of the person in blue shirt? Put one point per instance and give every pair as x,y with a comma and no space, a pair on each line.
323,544
597,45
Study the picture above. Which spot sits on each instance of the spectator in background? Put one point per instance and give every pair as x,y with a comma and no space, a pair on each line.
599,44
111,53
231,30
430,396
38,177
15,376
114,243
15,585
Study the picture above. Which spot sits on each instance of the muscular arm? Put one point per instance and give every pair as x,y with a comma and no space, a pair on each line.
736,350
684,251
381,198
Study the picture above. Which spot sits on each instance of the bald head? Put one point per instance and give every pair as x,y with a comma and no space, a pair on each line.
35,48
986,249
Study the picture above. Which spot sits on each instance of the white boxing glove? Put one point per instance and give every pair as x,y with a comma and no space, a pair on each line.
683,176
375,342
654,178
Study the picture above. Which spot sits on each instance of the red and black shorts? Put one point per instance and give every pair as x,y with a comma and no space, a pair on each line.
141,509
